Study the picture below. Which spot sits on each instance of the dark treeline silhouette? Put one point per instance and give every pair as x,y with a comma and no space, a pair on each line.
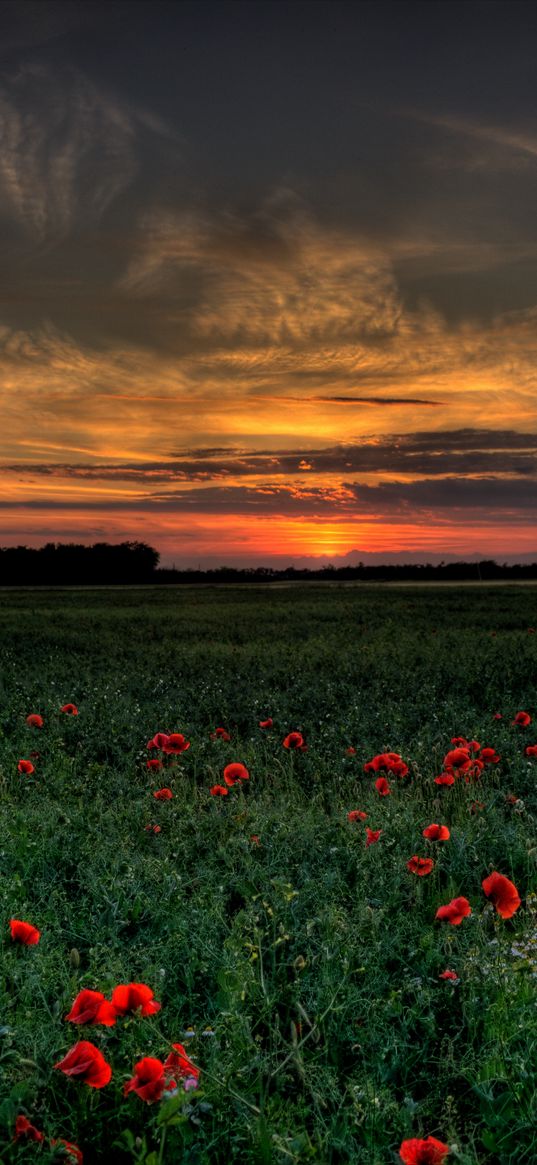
71,564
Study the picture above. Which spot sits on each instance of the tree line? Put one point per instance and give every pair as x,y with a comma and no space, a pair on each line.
136,563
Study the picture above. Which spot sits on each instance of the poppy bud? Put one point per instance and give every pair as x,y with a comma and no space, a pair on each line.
74,959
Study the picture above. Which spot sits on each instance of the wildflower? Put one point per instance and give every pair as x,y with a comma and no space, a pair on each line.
530,750
92,1007
26,766
175,744
502,893
24,932
445,779
350,751
382,786
129,997
159,740
372,835
34,720
69,709
218,791
266,723
454,911
88,1063
451,975
436,833
149,1081
163,795
420,1151
497,716
356,815
24,1129
220,734
522,719
420,866
457,758
179,1064
68,1150
235,772
153,828
489,756
255,839
476,807
295,740
390,761
154,764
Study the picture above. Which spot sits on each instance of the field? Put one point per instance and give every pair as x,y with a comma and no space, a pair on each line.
299,967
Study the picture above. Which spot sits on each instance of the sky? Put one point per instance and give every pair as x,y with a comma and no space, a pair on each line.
269,278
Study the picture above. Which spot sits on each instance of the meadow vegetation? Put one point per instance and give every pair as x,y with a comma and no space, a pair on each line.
299,967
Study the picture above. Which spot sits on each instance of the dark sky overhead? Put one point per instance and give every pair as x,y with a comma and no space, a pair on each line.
269,277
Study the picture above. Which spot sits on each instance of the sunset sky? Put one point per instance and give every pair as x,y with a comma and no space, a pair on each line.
269,278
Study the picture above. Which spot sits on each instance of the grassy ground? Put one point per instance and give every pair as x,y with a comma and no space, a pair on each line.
306,964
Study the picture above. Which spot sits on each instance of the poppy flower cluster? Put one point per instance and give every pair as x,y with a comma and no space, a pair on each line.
91,1007
234,774
171,744
389,762
153,1077
26,1131
467,760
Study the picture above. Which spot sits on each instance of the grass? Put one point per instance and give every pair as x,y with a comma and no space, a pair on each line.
307,966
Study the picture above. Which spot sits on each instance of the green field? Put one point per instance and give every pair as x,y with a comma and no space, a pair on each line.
300,971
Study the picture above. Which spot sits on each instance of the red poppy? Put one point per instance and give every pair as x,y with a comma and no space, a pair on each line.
445,779
382,786
266,723
454,911
159,740
179,1064
460,742
530,750
437,833
451,975
220,734
391,762
503,893
88,1063
350,751
163,795
356,815
134,997
92,1007
26,766
218,791
497,716
522,719
24,1129
154,765
457,758
420,1151
153,828
489,756
255,839
420,866
68,1150
295,740
175,744
24,932
35,720
235,772
372,835
70,709
149,1081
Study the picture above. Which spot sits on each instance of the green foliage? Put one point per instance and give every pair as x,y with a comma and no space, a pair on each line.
307,966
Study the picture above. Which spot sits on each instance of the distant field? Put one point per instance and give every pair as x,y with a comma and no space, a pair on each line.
299,967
